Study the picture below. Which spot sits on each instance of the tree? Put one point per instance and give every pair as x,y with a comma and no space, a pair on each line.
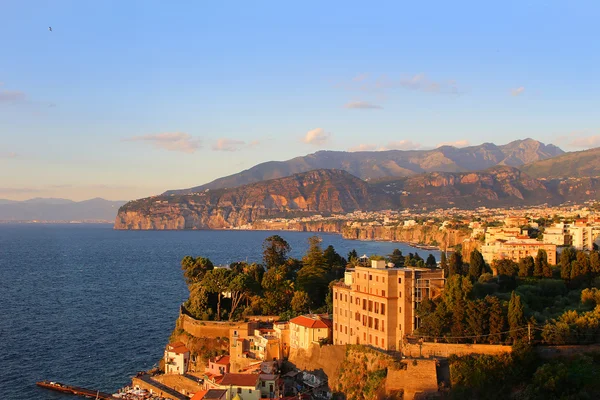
431,262
505,267
542,268
352,256
396,258
497,323
456,264
313,280
567,256
476,264
595,262
477,319
240,288
444,264
275,251
194,269
584,262
217,281
335,263
516,319
300,302
526,266
314,255
278,289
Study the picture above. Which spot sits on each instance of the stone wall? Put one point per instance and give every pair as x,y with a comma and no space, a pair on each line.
419,377
325,358
429,349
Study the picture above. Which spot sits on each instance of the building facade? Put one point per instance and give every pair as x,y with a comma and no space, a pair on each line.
516,250
308,329
177,357
376,305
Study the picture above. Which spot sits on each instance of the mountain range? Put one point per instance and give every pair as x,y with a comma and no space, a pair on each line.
52,209
370,165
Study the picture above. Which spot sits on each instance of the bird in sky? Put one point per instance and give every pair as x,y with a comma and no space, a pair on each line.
50,28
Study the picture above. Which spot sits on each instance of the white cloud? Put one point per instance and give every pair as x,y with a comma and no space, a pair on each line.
586,142
225,144
172,141
362,105
402,145
11,96
517,91
416,82
8,155
422,83
363,147
458,143
317,137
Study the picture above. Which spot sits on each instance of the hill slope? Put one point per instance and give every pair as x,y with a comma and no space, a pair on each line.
576,165
336,191
370,165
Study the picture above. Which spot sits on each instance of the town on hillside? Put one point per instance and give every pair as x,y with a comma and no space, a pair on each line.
386,326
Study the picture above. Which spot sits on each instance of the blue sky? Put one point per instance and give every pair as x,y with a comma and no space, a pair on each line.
125,99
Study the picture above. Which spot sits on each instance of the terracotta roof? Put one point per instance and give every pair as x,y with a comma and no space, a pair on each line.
178,348
199,395
245,380
311,322
223,360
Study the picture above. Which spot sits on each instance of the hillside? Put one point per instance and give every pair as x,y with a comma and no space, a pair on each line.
58,210
335,191
370,165
320,191
575,165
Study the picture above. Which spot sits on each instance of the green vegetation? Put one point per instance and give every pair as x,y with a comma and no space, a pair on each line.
281,286
524,375
523,302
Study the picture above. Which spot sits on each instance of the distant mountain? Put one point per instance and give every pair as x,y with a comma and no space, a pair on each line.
569,165
42,209
369,165
335,191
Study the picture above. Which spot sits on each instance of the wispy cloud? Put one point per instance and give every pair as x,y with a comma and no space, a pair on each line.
417,82
12,96
8,154
9,190
517,91
402,145
172,141
225,144
364,105
363,147
458,143
317,137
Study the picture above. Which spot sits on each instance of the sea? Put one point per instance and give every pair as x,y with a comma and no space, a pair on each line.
90,306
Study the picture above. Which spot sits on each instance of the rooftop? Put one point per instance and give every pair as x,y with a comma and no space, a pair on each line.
178,348
245,380
214,394
312,321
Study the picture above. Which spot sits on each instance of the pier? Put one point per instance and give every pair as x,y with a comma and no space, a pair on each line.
78,391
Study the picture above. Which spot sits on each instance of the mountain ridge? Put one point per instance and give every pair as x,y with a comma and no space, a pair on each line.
370,165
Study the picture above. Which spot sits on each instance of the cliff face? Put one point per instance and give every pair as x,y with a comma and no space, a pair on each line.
430,235
320,191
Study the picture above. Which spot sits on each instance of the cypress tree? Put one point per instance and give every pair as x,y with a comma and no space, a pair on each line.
456,264
526,266
476,264
516,318
444,264
496,320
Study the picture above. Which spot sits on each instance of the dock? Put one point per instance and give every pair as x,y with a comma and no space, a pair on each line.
78,391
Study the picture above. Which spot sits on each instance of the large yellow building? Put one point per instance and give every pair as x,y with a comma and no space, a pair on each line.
308,329
376,305
516,250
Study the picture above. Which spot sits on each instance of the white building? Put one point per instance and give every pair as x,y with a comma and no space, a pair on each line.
177,357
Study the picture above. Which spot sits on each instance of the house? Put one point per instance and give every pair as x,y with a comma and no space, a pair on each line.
244,386
212,394
218,366
177,357
270,386
308,329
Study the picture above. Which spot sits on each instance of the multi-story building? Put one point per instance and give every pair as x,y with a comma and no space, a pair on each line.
558,235
517,249
177,357
583,237
376,305
308,329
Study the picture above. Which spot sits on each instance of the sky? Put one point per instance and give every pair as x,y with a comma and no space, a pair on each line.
127,99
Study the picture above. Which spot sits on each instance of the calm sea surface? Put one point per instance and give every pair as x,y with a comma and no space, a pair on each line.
89,306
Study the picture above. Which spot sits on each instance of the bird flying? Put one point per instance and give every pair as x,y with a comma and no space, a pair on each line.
50,28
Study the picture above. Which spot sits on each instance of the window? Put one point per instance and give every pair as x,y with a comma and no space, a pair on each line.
370,322
364,320
382,308
263,384
364,304
365,336
383,279
249,390
399,294
351,332
365,276
399,280
370,277
376,324
376,341
370,305
400,310
376,308
382,326
377,278
370,338
239,390
346,330
357,316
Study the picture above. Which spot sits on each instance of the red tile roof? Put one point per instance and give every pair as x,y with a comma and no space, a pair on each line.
178,348
223,360
311,322
199,395
245,380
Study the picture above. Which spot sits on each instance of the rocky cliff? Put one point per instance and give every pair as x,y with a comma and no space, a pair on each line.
423,234
320,191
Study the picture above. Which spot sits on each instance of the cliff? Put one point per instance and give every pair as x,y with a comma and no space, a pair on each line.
423,234
320,191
